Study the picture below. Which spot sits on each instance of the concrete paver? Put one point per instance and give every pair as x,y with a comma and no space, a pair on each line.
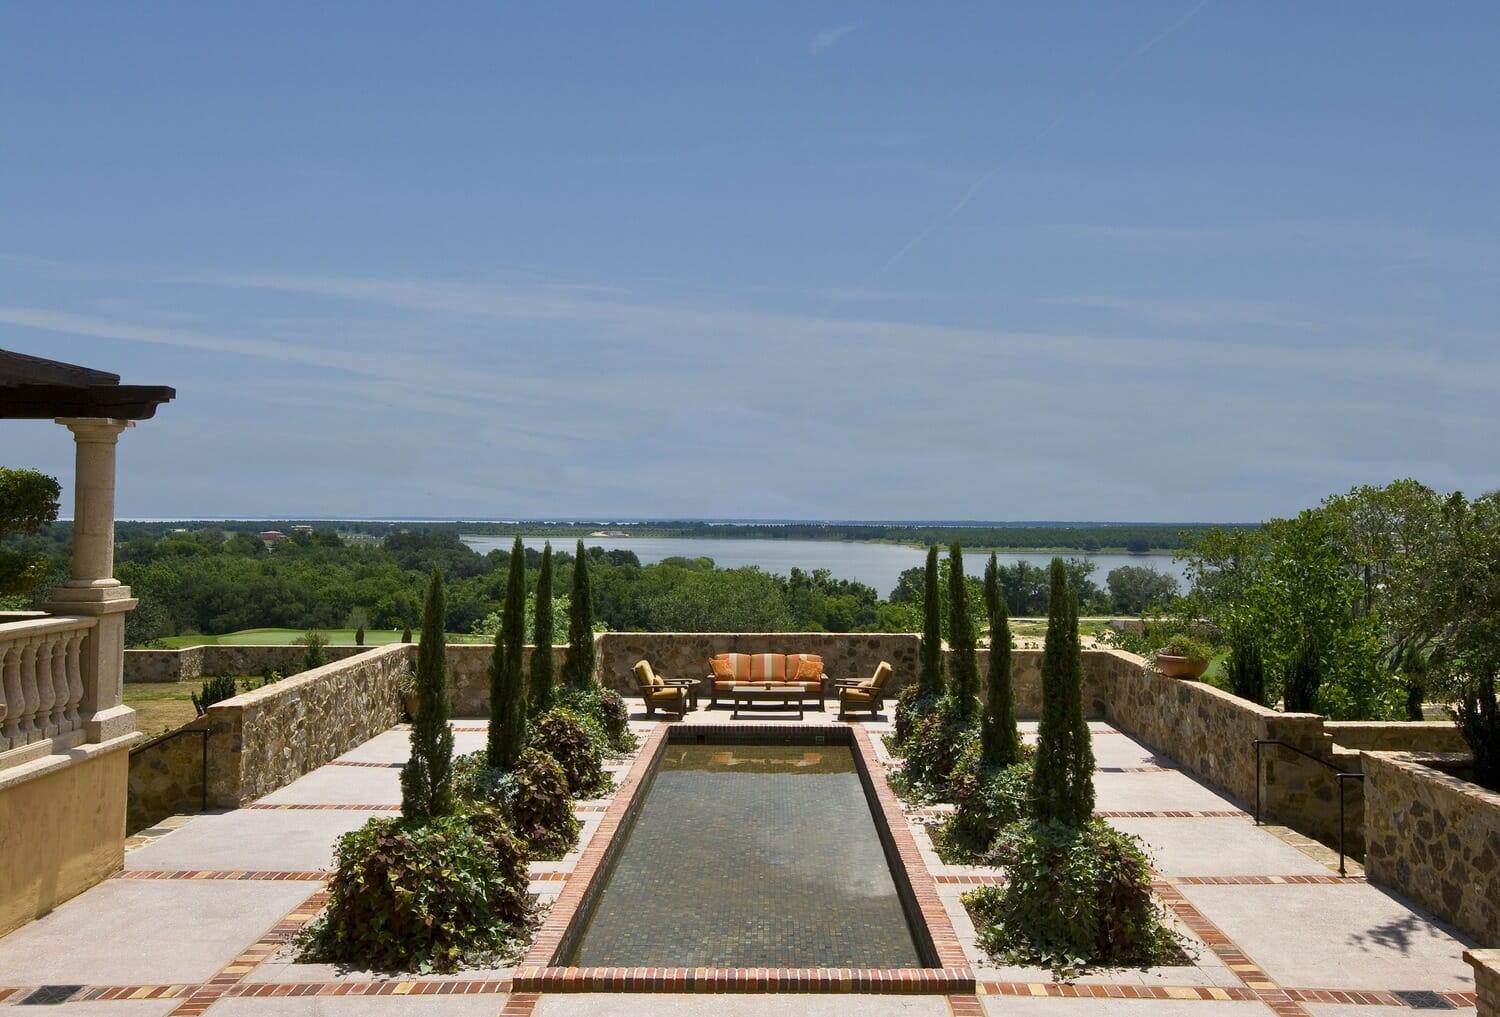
251,839
1144,792
360,1006
1346,936
132,932
1209,846
737,1005
341,785
1032,1006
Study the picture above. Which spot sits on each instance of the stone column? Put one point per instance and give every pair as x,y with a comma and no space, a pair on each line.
1486,965
93,590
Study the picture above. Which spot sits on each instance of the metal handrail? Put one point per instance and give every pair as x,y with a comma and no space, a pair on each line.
159,739
1339,776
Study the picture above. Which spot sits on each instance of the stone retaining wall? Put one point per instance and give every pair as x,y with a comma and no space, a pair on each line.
262,740
1397,736
469,675
1434,839
166,777
194,662
1486,965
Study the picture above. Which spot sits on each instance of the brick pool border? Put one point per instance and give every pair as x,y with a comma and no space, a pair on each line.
538,973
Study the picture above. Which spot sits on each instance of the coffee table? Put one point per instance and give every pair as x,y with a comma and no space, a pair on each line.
784,698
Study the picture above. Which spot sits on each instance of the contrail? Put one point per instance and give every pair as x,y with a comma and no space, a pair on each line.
984,178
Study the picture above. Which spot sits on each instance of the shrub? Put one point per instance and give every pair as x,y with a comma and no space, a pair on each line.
933,750
406,634
578,665
539,688
214,690
964,685
427,777
603,711
425,897
312,653
1000,737
540,808
562,735
1304,675
989,799
911,706
930,676
507,729
1246,668
1074,896
476,782
1063,780
359,636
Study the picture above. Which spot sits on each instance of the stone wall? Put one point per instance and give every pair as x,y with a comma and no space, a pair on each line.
262,740
166,777
1486,965
194,662
1434,839
1397,736
469,675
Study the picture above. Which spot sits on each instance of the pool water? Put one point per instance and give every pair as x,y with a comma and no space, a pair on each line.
751,856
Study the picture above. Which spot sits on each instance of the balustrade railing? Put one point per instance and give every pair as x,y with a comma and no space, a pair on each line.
41,686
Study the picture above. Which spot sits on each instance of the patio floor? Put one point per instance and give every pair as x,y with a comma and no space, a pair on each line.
198,919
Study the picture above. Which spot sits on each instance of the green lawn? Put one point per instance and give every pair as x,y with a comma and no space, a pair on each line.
281,637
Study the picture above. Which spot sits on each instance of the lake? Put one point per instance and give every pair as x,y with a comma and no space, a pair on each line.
877,565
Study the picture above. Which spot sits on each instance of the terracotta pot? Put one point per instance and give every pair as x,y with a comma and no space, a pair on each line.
1181,667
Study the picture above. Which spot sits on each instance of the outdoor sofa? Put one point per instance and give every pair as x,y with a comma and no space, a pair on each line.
789,671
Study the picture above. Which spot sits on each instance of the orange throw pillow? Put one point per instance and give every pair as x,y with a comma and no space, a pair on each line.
809,671
721,669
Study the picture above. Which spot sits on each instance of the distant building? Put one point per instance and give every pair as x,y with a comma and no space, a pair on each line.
302,528
271,536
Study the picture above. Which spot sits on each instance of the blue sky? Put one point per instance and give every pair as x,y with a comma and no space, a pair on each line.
1146,261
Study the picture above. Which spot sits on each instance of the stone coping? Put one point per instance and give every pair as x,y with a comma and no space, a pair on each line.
537,971
286,686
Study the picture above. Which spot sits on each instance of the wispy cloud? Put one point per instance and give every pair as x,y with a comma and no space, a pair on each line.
830,37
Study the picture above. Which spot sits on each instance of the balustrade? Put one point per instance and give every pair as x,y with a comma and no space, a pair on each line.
41,686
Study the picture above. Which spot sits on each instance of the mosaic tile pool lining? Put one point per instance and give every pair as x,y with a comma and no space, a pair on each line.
947,970
750,856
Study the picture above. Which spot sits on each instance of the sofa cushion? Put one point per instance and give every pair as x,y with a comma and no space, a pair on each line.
794,661
722,669
767,667
739,662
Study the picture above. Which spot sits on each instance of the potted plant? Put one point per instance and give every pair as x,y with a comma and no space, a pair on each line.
406,684
1183,657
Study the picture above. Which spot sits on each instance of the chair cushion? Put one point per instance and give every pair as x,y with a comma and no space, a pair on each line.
663,695
767,667
656,680
643,672
856,695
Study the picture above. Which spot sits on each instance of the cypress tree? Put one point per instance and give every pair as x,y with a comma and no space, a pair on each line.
539,689
930,682
1000,739
427,777
507,734
965,684
1063,782
578,665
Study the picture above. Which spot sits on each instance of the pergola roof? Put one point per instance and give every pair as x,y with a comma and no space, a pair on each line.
32,388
